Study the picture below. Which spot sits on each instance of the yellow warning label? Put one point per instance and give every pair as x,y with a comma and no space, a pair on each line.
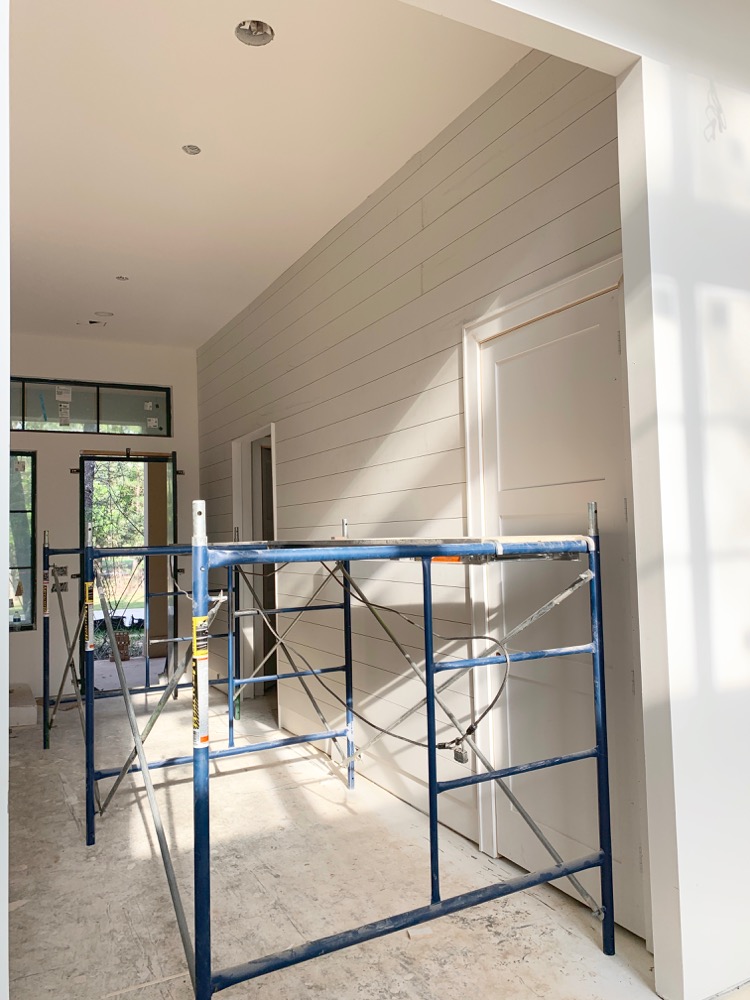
88,624
200,681
45,606
200,638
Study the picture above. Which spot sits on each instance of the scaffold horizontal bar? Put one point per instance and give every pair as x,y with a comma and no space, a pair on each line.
290,741
143,550
219,556
533,654
379,928
64,552
284,677
507,772
185,638
247,612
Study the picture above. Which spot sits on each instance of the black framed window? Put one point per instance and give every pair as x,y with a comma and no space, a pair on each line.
51,405
22,541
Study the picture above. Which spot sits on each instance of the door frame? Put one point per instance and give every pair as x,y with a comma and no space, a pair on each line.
267,431
144,457
600,279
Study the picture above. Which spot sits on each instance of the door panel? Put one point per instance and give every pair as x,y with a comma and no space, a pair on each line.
554,438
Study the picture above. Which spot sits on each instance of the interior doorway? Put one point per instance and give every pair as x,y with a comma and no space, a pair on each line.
254,506
130,501
551,435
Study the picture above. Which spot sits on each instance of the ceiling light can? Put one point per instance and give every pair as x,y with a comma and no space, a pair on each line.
254,32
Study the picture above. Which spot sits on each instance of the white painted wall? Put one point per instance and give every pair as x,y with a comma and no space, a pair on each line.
686,243
4,409
355,352
58,490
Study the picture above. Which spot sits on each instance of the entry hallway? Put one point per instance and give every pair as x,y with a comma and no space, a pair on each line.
295,856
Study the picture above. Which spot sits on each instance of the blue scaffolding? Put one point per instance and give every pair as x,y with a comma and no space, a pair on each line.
50,580
230,559
206,558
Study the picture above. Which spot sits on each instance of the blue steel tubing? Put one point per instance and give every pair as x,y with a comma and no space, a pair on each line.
235,626
88,592
285,677
411,918
349,678
230,654
507,772
45,642
201,820
219,555
156,765
532,654
146,622
600,721
429,665
291,611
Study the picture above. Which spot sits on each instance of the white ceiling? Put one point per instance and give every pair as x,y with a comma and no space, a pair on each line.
294,136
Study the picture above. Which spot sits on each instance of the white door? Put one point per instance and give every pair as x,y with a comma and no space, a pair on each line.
555,437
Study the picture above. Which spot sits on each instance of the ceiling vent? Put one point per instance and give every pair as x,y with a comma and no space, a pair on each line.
254,32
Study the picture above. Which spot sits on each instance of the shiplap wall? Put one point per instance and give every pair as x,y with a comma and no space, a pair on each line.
355,354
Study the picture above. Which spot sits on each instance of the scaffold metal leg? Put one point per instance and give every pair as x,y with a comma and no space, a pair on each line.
349,681
45,642
432,775
88,576
600,721
201,822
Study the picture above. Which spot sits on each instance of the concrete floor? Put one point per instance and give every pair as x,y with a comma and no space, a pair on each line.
295,856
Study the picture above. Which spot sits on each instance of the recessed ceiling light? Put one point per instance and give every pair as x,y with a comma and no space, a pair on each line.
254,32
191,150
122,277
103,314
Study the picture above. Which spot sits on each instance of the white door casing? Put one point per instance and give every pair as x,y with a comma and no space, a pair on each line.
546,424
245,517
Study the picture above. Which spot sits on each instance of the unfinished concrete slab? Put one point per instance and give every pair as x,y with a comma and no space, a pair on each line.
295,856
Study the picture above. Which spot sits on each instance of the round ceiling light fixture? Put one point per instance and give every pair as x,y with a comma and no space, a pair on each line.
105,314
122,277
191,150
254,32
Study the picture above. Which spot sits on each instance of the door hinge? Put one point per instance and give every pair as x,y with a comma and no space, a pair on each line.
236,536
625,508
619,342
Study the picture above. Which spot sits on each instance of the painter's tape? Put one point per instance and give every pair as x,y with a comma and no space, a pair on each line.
200,681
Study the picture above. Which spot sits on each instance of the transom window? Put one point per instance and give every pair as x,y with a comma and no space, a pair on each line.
90,407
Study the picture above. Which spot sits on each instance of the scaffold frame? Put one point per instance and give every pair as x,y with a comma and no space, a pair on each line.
206,558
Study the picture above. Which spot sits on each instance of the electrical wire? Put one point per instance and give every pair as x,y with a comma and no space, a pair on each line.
389,732
495,643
